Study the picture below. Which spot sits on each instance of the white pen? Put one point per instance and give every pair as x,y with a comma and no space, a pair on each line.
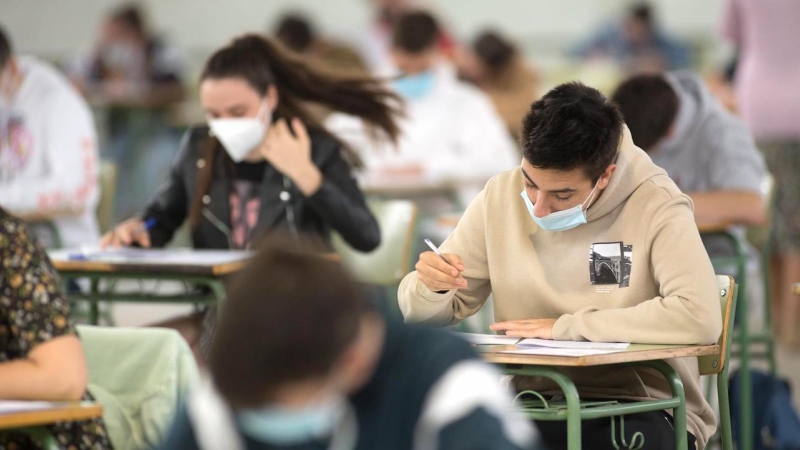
436,250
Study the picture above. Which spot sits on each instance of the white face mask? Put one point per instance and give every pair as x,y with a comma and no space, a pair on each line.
240,135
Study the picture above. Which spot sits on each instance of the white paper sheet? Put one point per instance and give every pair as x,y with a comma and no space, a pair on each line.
487,339
17,406
578,345
152,256
576,352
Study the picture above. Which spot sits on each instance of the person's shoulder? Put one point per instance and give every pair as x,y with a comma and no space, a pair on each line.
323,145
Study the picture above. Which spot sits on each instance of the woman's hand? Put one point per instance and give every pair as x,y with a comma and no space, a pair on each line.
127,233
291,155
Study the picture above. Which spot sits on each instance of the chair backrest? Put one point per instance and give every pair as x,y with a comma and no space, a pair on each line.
108,188
391,261
759,235
140,376
728,293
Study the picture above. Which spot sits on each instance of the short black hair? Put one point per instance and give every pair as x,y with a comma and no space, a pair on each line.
295,32
649,106
5,48
289,316
642,12
573,126
415,32
494,50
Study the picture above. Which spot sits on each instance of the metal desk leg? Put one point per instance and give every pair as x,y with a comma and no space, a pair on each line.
679,413
94,308
746,392
570,394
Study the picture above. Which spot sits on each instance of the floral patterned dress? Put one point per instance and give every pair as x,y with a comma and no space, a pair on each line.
34,310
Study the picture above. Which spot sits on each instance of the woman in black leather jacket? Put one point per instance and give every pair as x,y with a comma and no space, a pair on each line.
265,164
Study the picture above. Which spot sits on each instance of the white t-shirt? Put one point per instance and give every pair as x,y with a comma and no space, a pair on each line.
454,133
48,152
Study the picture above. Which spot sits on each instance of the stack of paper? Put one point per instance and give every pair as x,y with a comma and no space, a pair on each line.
566,348
487,339
14,406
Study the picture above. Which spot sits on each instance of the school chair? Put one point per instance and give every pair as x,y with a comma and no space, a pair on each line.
710,365
385,266
140,376
107,180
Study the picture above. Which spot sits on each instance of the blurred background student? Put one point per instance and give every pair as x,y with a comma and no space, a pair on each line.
298,33
48,150
637,43
134,77
495,65
302,360
767,81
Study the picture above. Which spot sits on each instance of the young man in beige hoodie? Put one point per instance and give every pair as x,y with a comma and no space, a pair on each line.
599,245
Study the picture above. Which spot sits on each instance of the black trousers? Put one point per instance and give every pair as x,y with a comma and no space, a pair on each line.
657,428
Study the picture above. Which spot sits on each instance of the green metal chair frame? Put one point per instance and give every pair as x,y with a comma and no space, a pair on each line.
573,410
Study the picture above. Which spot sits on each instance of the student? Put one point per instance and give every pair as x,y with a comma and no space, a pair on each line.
767,71
48,148
263,163
297,33
41,355
587,192
302,360
495,65
451,130
708,153
637,44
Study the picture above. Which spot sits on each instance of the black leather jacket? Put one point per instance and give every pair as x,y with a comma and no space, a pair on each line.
337,205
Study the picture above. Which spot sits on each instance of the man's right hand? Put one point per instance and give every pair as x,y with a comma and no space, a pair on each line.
439,276
129,232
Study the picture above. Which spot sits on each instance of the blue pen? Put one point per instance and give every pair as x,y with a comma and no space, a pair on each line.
149,223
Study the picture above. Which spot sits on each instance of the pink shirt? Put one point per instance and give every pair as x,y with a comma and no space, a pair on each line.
767,33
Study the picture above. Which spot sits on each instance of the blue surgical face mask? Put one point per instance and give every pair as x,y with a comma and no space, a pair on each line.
560,220
284,426
413,87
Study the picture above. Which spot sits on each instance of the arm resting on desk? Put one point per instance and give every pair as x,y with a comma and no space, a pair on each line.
687,309
728,207
53,371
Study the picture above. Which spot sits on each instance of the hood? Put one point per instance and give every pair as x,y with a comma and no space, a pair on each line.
634,167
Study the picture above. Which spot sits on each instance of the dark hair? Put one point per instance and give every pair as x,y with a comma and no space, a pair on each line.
572,126
649,106
5,48
415,32
295,32
642,12
263,63
132,17
289,316
495,51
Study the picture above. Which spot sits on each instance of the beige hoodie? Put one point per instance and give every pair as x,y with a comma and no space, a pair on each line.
670,297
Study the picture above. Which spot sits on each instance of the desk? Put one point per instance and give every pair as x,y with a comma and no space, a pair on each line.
796,288
33,422
204,268
652,356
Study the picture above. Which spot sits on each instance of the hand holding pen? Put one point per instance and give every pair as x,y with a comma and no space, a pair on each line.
129,233
440,272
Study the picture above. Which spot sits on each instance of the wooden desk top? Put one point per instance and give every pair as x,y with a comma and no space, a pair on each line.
706,228
210,263
634,353
796,288
67,412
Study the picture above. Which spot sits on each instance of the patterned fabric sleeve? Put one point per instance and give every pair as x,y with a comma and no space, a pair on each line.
31,297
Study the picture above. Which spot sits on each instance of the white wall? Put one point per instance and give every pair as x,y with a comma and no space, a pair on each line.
57,28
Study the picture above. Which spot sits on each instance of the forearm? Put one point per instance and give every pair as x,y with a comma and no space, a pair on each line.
420,305
728,207
26,379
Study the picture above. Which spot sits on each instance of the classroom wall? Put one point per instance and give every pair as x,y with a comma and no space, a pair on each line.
198,26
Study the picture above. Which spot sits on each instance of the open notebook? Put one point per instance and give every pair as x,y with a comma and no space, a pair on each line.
544,346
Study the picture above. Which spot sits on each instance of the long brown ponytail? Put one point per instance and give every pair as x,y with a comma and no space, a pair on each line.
264,63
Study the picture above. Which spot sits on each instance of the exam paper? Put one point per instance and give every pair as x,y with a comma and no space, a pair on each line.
18,406
487,339
546,351
577,345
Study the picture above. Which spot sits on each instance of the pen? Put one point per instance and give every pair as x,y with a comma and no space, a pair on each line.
436,250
